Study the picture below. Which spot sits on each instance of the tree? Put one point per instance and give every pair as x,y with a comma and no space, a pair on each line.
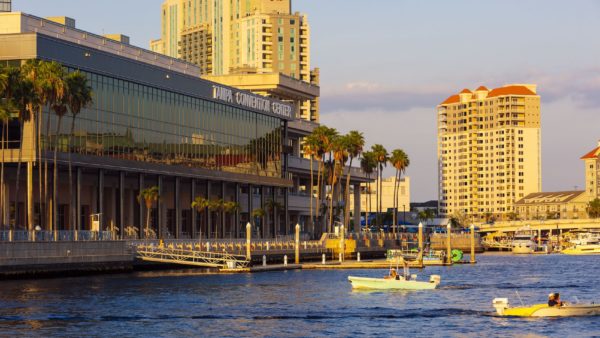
148,196
7,109
216,206
230,208
459,219
355,142
381,157
272,206
258,214
59,106
324,135
200,204
426,215
339,155
593,208
368,165
400,161
311,147
79,96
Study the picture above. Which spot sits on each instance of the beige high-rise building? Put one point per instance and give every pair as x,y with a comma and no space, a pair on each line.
369,192
489,152
236,42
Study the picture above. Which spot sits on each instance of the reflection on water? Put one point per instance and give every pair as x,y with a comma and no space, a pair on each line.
301,303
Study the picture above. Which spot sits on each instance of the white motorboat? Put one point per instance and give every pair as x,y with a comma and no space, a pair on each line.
395,281
524,242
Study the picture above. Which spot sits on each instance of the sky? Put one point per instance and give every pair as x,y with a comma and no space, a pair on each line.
386,64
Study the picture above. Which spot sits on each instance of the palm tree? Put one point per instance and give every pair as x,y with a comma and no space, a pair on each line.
7,107
400,161
258,214
79,96
339,156
310,148
355,142
272,206
216,205
231,207
381,158
324,136
368,165
200,204
148,196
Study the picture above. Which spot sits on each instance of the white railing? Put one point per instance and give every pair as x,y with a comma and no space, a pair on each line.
56,236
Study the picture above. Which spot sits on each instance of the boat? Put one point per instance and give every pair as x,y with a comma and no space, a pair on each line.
503,308
590,248
523,242
405,281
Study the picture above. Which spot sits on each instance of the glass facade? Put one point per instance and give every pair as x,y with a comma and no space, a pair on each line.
5,5
136,122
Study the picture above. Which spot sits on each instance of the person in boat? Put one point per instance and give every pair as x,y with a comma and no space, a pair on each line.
554,300
393,274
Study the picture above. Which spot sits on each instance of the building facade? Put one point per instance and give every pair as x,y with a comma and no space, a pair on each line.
592,172
153,122
488,150
235,42
552,205
368,201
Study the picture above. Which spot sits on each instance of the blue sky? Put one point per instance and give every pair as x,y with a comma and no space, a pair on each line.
386,65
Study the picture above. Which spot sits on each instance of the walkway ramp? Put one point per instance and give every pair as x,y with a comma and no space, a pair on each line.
191,257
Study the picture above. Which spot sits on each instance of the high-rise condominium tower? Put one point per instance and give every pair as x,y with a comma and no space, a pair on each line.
230,38
488,151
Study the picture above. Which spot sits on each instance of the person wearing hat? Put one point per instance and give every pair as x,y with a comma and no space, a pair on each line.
554,300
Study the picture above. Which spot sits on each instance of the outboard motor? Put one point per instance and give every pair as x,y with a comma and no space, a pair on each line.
435,279
500,304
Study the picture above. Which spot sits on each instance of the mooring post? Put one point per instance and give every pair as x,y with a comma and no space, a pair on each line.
342,248
420,239
323,259
472,244
248,238
264,260
297,260
285,260
358,256
448,248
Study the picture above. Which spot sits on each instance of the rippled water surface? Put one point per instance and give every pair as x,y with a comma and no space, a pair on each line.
302,303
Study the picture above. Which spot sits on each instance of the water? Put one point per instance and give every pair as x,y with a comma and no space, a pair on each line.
302,303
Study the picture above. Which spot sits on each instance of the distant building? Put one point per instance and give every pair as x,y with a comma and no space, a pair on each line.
369,191
429,205
488,150
592,172
5,6
552,205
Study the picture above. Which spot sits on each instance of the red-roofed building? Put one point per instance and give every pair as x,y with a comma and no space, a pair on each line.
592,172
488,150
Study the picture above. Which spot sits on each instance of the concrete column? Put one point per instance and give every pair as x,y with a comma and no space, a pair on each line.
141,203
262,206
286,205
357,210
78,199
297,244
472,244
207,212
248,239
274,231
193,211
159,206
101,197
30,224
177,209
448,248
236,226
223,220
121,216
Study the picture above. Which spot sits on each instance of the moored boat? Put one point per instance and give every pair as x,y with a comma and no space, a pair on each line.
583,249
523,242
503,308
400,283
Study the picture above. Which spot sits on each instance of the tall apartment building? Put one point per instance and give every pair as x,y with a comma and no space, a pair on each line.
5,5
488,150
244,44
592,172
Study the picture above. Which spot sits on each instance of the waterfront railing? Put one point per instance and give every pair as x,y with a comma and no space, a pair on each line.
56,236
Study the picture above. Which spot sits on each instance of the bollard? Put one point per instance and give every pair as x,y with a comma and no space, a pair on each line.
76,235
340,256
448,248
539,238
420,240
358,256
342,238
285,260
207,246
472,244
264,260
323,260
297,251
10,235
304,245
248,238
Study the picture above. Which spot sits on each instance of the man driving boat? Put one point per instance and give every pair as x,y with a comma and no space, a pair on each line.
554,300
